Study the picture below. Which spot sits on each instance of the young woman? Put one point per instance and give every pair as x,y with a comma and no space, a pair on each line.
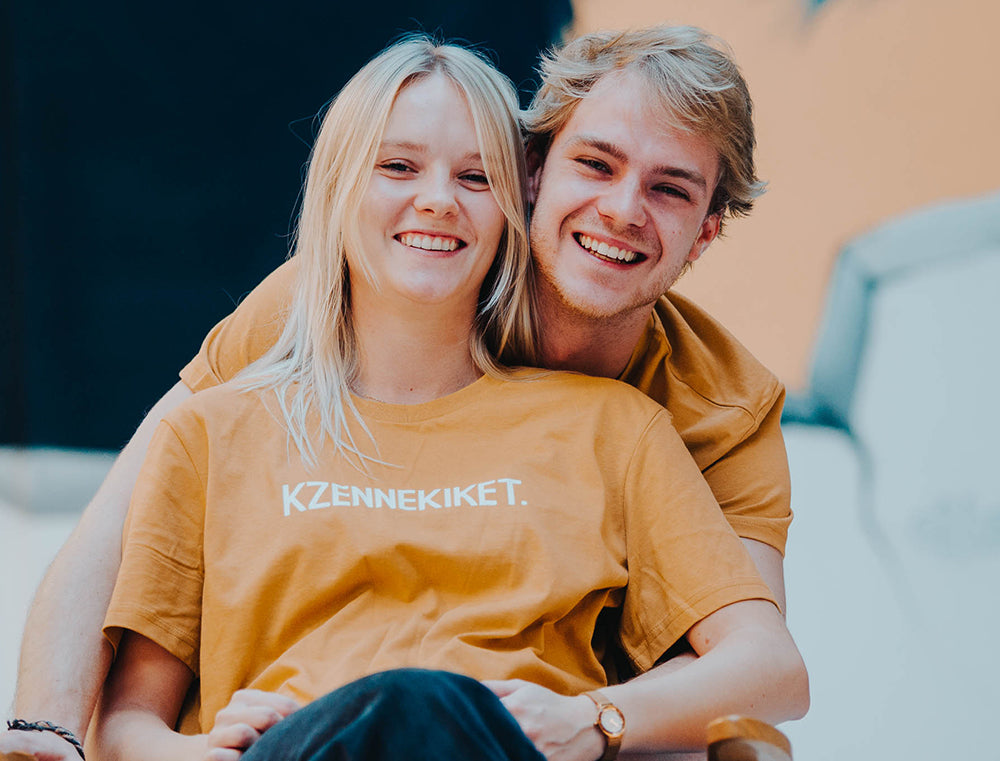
379,494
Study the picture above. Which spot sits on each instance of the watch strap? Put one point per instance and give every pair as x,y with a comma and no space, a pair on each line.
613,740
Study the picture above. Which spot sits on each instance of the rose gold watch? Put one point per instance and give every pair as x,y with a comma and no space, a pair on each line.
610,723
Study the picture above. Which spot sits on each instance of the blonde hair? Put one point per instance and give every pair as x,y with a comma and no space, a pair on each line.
698,84
315,360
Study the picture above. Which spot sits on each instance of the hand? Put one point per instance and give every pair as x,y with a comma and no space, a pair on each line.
561,727
241,723
22,745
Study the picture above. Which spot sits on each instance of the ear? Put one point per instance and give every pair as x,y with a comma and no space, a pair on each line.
710,227
535,162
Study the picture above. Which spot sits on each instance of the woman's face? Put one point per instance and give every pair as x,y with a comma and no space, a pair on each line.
430,226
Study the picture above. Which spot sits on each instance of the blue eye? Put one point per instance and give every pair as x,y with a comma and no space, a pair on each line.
595,164
672,190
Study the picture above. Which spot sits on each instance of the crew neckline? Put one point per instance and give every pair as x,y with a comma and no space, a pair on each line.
385,411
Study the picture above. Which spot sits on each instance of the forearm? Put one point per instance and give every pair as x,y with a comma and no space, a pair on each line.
64,657
141,700
677,662
135,733
755,670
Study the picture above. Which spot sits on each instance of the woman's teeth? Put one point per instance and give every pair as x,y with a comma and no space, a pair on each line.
610,252
429,242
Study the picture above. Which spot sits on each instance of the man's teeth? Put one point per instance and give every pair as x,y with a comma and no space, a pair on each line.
428,242
611,252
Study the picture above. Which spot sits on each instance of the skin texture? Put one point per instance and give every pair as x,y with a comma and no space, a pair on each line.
616,174
614,196
428,180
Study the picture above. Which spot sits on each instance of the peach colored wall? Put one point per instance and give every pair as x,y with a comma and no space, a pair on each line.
865,109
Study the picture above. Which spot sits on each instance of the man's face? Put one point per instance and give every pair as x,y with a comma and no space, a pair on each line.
621,202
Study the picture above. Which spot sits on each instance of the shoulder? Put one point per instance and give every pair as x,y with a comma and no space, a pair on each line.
716,390
245,334
217,410
567,394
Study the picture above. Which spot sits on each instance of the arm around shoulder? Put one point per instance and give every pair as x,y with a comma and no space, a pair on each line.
64,657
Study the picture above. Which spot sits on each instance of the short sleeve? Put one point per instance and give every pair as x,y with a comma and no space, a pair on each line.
684,560
158,592
727,408
752,483
246,334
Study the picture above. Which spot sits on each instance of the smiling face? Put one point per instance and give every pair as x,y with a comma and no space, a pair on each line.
429,224
621,203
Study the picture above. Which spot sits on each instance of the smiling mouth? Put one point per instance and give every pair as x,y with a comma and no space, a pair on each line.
430,242
607,252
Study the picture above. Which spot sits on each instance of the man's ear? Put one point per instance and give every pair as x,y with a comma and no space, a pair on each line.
535,161
710,227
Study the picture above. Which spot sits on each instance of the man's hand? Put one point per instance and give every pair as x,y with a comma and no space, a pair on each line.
241,723
42,746
561,727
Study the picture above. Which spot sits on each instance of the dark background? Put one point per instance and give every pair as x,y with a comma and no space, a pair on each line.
151,161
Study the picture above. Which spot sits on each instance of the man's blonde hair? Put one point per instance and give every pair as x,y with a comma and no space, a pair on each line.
315,360
689,71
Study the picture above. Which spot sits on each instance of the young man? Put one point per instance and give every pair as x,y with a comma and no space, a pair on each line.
641,143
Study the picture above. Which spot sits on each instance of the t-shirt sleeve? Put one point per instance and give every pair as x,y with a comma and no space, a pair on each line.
727,407
158,593
684,560
244,335
752,483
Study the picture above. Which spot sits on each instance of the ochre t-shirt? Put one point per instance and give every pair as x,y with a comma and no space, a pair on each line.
515,529
725,405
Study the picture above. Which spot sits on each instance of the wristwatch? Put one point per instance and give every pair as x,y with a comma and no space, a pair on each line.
610,722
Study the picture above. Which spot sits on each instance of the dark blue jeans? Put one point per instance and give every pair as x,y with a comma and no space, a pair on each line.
404,715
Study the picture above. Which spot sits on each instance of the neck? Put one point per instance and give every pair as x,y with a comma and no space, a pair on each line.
571,340
412,355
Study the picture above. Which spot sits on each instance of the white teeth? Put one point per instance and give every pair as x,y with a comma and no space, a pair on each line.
429,243
602,248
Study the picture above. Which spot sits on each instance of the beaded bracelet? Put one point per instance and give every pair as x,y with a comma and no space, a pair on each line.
47,726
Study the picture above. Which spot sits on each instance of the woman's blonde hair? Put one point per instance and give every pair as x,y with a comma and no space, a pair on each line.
691,73
315,360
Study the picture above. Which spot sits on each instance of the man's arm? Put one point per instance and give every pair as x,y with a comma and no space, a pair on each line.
64,657
771,566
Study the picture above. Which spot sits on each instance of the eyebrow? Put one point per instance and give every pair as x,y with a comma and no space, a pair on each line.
619,155
406,145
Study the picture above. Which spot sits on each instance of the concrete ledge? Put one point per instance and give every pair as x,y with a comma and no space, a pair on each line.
49,480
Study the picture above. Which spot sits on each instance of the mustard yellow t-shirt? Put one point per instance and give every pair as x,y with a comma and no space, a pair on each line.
725,405
516,529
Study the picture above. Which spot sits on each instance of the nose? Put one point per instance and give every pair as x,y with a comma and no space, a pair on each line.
435,193
622,202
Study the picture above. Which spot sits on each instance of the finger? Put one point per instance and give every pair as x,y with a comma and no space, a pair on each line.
223,754
258,717
280,703
237,736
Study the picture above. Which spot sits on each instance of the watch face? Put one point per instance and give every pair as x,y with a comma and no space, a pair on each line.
611,720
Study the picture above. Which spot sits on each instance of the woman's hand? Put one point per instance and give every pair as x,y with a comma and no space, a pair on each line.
561,727
241,723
